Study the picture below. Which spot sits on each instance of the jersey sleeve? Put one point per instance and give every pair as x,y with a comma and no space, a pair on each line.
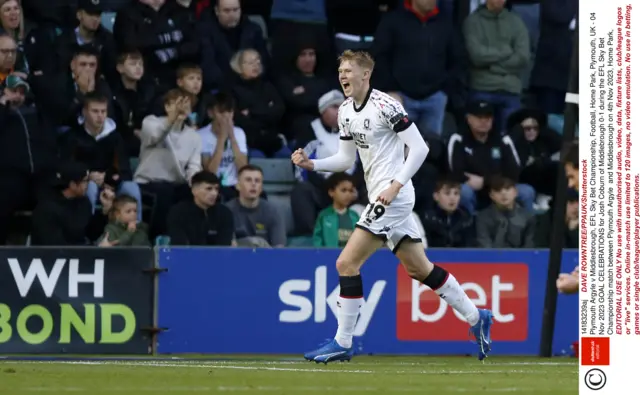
343,124
392,113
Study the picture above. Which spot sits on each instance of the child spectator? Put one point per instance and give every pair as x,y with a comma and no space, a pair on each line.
189,79
448,224
123,228
504,224
133,97
336,222
224,145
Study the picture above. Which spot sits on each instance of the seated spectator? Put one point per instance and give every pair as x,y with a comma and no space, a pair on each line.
336,222
504,224
259,108
96,143
477,153
224,31
420,55
124,229
200,221
8,56
190,81
12,24
224,145
448,225
65,219
133,96
498,46
27,150
91,32
301,89
291,20
169,157
257,222
535,144
164,33
571,224
320,140
71,86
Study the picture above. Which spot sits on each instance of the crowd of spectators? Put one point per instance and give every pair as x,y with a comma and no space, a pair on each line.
135,122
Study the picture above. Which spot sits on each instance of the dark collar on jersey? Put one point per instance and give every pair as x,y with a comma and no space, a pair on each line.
364,102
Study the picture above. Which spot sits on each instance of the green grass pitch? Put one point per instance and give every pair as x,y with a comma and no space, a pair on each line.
289,376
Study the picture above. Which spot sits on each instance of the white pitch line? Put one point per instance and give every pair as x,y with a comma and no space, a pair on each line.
269,368
265,389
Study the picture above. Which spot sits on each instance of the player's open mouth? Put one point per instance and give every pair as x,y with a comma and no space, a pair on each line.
345,85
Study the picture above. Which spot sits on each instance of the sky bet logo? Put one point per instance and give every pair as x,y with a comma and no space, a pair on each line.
295,293
503,288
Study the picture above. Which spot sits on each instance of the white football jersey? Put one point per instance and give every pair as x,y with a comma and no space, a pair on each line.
373,128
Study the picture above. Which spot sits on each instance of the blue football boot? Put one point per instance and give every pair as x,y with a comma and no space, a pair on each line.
482,333
330,352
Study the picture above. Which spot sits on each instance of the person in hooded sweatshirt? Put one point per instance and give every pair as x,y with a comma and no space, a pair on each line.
96,143
66,219
200,221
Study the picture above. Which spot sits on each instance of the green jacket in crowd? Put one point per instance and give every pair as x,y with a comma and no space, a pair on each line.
333,229
499,50
119,231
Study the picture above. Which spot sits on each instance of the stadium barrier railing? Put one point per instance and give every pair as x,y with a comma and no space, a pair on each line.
271,301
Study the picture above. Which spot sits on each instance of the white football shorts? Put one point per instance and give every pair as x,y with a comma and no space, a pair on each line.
393,223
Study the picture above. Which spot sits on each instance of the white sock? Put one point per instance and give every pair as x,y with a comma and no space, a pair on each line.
348,310
454,295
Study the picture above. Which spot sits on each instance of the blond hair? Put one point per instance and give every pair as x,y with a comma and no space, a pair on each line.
361,58
17,35
238,58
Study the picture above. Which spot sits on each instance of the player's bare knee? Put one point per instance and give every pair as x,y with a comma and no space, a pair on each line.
347,267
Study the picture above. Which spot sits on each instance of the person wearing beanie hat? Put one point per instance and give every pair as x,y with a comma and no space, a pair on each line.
320,141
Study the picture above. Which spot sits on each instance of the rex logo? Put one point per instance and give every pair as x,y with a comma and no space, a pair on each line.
295,293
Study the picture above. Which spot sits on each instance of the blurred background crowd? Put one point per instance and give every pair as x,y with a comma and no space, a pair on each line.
141,122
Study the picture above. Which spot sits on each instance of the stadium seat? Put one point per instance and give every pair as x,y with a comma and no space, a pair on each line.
449,126
283,204
259,20
108,19
278,175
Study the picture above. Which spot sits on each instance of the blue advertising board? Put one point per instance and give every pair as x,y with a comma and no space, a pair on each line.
218,300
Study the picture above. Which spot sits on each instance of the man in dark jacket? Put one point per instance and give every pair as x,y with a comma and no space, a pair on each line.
223,31
201,222
70,86
420,54
477,153
27,150
163,32
96,143
66,219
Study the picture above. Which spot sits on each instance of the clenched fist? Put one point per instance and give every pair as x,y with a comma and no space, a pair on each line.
300,159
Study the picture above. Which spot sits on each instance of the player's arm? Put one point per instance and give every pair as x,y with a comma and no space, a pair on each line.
344,158
418,150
